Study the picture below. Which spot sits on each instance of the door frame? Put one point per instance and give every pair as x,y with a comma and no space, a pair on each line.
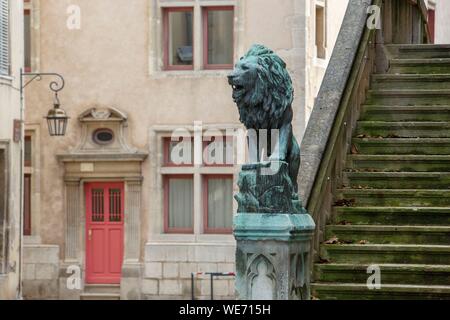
87,186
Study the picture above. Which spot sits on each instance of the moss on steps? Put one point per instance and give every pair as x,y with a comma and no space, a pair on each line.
396,163
387,292
416,274
397,180
403,129
392,216
406,113
416,146
385,234
386,253
397,186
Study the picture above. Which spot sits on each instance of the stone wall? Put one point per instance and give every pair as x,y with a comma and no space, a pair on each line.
40,271
168,268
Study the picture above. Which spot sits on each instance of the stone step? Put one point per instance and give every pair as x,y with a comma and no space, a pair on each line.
392,215
419,66
424,51
396,197
400,146
417,163
386,253
102,288
402,129
397,180
333,291
408,97
410,81
409,274
385,234
100,296
405,113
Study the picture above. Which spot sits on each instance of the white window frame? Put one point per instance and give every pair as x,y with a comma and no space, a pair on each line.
156,155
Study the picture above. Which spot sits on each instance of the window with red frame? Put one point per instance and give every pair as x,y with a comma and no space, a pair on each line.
27,39
178,204
218,204
218,34
178,38
27,187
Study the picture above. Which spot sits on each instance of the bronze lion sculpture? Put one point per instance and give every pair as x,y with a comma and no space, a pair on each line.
263,92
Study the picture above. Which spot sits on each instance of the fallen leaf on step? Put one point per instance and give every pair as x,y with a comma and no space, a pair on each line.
344,203
323,261
333,240
354,150
363,242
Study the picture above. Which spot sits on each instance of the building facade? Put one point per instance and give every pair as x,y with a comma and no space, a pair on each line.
11,62
108,204
439,13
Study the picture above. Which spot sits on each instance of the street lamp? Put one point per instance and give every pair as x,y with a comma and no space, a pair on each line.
56,117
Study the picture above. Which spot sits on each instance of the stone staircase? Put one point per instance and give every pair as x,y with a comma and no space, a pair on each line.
101,292
394,207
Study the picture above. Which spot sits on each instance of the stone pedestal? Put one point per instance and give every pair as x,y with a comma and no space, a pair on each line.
272,256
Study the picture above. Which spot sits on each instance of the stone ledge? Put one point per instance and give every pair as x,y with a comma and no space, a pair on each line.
278,227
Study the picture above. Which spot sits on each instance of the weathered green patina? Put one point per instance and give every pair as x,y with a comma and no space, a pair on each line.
272,229
263,92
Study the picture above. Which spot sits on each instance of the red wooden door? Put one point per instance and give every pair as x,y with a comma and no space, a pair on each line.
104,232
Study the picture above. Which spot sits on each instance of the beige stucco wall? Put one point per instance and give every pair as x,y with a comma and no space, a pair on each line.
10,109
115,59
315,67
442,19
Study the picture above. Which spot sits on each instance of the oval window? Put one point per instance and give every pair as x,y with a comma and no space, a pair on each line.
103,136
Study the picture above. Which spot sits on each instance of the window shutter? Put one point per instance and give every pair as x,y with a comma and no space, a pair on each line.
4,37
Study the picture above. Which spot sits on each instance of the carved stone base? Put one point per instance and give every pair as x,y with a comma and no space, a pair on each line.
272,256
267,188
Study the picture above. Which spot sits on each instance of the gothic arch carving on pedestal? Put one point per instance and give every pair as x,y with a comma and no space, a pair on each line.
261,276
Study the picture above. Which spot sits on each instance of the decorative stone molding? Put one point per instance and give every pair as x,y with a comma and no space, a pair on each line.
91,161
103,118
73,216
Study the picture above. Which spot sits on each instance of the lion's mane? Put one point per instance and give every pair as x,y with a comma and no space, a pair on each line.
267,101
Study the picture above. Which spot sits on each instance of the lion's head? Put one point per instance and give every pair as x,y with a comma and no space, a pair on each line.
262,88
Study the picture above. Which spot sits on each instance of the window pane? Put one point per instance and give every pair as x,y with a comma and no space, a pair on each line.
220,203
180,38
115,205
181,152
98,205
27,36
320,32
181,194
219,152
27,205
3,197
220,36
27,154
